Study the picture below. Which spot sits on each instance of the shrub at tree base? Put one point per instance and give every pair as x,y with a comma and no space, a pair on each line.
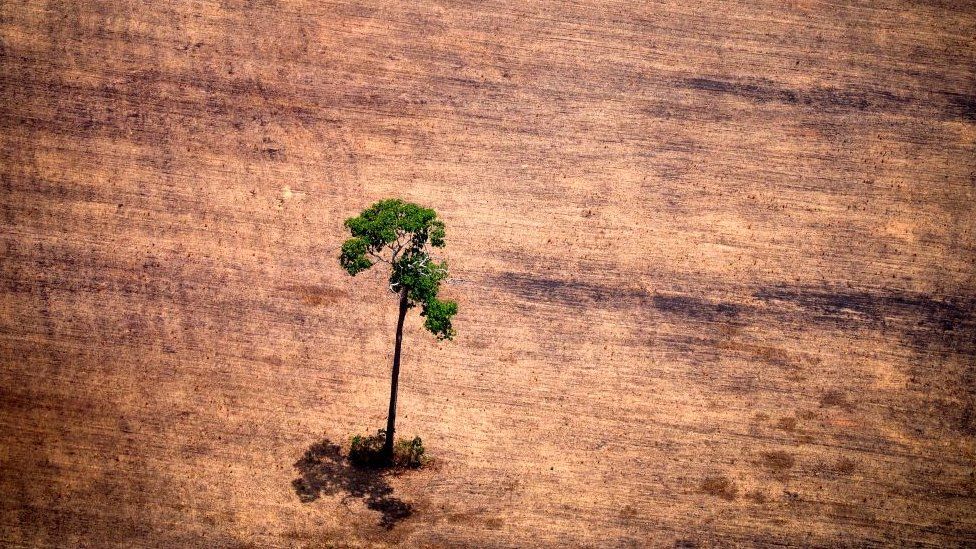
409,453
367,452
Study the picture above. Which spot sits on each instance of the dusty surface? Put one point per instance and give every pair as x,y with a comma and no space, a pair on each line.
715,263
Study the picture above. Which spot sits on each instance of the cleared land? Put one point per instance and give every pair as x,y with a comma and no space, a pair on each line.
716,264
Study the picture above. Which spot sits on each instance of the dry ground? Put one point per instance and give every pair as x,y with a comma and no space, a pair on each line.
715,263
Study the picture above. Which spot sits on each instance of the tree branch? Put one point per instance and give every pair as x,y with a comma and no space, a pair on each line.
379,257
399,247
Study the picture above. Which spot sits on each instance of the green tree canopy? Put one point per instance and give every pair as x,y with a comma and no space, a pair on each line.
398,233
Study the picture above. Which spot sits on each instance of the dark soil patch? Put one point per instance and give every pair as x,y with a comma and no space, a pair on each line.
720,486
835,399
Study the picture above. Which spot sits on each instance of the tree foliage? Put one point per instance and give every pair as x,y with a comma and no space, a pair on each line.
398,233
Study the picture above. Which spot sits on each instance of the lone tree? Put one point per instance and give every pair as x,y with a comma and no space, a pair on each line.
398,233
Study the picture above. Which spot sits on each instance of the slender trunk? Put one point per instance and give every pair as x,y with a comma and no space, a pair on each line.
391,417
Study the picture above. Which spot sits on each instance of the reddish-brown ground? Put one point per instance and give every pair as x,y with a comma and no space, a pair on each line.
716,264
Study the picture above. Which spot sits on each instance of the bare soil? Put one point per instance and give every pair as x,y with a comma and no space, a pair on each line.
716,264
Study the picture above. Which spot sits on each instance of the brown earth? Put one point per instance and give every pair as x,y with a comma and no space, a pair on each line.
715,263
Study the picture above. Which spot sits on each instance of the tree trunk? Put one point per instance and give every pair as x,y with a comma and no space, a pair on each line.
391,417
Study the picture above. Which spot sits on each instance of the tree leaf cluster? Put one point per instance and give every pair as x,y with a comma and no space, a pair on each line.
398,233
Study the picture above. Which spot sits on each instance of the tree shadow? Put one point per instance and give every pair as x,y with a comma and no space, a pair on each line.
325,471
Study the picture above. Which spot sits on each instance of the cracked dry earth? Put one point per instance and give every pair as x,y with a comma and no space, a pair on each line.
715,263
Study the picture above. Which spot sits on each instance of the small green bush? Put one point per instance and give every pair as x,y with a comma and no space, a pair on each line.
367,452
409,453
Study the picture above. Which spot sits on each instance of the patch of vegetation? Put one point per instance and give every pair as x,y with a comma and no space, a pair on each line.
367,452
409,453
721,486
